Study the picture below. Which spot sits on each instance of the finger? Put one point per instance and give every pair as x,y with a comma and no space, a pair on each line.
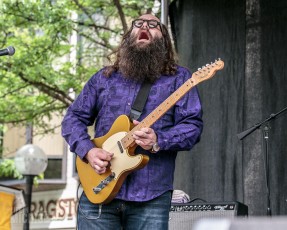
99,169
135,122
105,156
101,163
143,143
139,142
100,166
146,130
109,156
140,134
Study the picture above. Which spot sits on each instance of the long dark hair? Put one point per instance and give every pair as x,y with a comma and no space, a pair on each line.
169,67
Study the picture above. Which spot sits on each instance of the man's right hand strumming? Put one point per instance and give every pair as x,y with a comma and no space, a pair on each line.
99,159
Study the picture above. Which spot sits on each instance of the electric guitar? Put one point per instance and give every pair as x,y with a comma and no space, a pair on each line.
101,189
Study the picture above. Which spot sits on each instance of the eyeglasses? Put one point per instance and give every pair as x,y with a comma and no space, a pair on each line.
151,23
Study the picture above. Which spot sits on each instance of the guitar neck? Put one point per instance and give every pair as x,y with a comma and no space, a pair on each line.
159,111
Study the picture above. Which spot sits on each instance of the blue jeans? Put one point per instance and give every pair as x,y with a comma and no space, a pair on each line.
127,215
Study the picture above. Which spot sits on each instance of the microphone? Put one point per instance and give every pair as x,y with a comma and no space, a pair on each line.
8,51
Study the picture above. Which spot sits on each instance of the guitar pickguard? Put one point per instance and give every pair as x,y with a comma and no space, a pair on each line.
121,160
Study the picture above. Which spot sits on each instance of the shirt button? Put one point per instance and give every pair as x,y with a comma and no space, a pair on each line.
129,103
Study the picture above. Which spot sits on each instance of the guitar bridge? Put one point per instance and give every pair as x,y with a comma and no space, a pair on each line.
103,183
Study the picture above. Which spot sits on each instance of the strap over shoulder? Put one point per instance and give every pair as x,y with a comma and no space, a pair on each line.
140,101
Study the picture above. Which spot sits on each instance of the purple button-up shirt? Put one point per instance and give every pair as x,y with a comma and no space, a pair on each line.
103,99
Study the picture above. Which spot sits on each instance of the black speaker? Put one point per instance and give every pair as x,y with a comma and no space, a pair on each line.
183,216
253,223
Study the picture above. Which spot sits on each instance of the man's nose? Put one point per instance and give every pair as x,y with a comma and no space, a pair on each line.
145,25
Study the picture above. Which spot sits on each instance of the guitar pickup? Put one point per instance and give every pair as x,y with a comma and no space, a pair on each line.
120,146
103,183
97,190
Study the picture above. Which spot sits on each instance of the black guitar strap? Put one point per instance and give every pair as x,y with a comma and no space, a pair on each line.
140,101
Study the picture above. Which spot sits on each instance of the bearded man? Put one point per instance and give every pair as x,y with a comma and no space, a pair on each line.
142,201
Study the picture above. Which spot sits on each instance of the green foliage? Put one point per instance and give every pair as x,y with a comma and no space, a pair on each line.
8,169
59,45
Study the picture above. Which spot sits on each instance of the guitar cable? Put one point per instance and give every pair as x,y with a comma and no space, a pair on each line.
81,210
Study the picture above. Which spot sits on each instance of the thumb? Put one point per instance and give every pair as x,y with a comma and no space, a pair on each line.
135,122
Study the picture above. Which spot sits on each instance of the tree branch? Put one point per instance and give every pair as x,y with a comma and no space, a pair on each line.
96,27
93,26
122,15
34,113
49,90
13,91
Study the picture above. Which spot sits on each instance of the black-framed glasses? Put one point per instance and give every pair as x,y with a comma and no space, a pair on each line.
151,23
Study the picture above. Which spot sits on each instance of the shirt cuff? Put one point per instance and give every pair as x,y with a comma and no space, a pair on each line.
84,147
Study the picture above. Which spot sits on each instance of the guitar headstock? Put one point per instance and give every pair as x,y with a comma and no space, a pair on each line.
207,71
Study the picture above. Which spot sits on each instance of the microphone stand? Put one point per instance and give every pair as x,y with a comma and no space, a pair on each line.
266,146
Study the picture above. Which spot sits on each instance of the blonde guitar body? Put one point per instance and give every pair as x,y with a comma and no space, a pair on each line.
101,189
123,163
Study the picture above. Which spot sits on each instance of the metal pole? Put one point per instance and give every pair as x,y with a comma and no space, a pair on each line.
267,167
164,12
28,199
29,133
29,181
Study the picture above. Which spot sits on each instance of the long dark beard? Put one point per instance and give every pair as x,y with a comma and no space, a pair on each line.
139,62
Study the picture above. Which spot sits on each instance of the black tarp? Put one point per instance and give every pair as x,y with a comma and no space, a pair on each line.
250,37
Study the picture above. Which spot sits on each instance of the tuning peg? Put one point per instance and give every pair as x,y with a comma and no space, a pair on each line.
207,65
199,69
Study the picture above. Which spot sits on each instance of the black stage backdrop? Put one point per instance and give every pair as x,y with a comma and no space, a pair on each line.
250,36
